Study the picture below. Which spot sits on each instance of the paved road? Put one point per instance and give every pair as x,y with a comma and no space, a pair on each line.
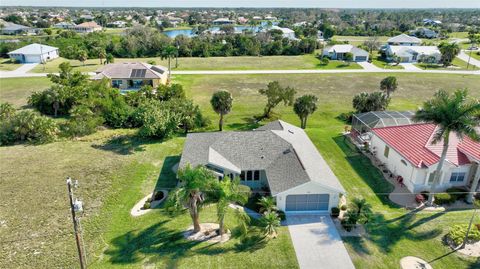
317,242
464,55
13,74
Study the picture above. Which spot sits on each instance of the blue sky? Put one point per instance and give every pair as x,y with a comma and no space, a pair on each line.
253,3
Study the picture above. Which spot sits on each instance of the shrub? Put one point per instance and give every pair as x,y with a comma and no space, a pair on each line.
83,122
158,195
281,215
457,193
6,111
146,205
324,61
28,126
343,207
425,194
152,62
444,199
335,212
457,234
350,220
155,120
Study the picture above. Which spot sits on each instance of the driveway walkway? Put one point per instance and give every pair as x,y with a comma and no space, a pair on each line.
410,67
317,242
369,66
464,55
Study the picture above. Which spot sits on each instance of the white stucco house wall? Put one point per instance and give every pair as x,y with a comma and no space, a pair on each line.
408,151
34,53
337,52
413,54
278,157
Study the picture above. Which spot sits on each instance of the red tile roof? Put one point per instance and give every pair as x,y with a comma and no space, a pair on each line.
414,143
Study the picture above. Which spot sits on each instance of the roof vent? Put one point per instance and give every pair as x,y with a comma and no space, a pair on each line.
287,151
262,157
290,131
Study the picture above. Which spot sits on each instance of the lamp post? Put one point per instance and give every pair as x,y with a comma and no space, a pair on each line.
76,206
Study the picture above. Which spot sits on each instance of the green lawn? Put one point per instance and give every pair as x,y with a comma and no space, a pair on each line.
212,63
17,90
380,62
475,55
6,64
457,64
116,169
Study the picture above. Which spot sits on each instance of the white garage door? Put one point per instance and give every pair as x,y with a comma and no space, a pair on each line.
360,58
32,59
307,202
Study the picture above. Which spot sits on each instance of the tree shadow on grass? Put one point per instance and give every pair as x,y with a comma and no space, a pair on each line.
249,123
386,233
167,178
358,244
365,169
132,246
125,144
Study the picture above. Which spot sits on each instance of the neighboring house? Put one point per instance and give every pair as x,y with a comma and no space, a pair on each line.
412,54
320,36
424,33
34,53
117,24
337,52
286,32
9,28
408,151
223,21
132,76
87,27
277,157
431,22
404,40
65,25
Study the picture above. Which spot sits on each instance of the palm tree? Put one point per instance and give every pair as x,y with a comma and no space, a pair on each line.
267,204
102,54
362,209
168,53
222,104
389,85
191,194
305,106
451,114
82,56
270,221
229,191
449,52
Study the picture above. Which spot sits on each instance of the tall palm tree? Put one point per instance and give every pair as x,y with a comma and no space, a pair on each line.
229,191
222,104
389,85
168,53
305,106
449,52
195,182
451,114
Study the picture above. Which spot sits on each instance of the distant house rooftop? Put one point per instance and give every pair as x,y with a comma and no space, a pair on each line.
131,71
403,38
34,49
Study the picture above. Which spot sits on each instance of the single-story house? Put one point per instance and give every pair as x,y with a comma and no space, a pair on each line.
34,53
337,52
132,76
87,27
404,40
278,157
223,21
10,28
408,151
424,32
412,54
286,32
117,24
65,25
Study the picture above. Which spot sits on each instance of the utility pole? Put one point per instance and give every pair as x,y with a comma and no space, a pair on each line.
469,227
76,207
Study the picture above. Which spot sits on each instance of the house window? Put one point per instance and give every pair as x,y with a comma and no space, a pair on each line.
242,176
386,151
457,177
249,175
404,162
116,83
256,175
431,177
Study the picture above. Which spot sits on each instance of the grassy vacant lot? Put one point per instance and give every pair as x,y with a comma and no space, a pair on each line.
116,169
457,64
17,90
7,65
213,63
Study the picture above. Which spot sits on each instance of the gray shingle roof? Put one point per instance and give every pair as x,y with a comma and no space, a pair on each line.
403,38
284,151
33,49
124,71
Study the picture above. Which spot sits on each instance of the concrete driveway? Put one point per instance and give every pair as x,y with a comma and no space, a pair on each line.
369,66
317,242
410,67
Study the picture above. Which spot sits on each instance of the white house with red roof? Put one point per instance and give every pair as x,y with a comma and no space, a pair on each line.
408,151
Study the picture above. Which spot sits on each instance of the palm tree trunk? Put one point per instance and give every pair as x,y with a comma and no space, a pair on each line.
194,215
220,122
438,171
169,69
221,225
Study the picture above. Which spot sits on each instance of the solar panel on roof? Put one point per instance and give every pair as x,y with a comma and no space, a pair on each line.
138,73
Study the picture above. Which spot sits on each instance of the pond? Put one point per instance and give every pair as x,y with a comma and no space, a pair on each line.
238,29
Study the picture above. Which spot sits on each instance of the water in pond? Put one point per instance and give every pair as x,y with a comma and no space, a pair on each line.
238,29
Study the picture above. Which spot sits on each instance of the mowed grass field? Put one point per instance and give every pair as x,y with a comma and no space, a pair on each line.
212,63
116,169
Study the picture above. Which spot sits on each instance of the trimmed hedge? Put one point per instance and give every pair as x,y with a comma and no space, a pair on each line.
444,199
457,234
